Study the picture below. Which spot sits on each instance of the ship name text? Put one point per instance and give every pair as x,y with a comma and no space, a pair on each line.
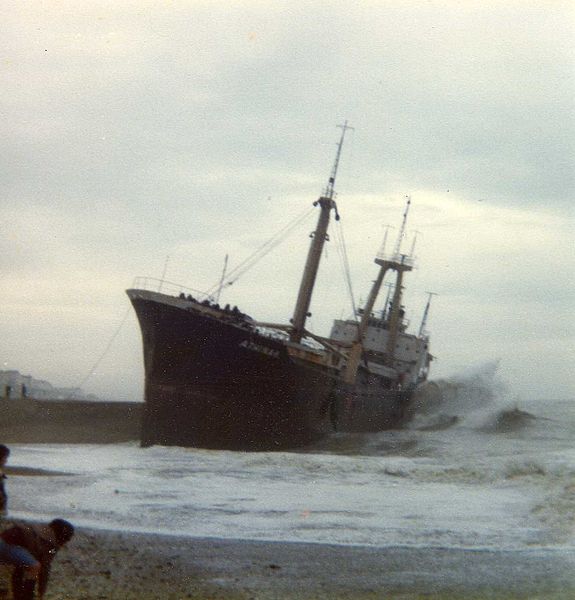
259,348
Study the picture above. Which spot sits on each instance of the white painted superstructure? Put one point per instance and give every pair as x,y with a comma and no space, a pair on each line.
381,343
410,362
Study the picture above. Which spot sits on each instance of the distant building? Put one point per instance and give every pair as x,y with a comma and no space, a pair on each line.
14,386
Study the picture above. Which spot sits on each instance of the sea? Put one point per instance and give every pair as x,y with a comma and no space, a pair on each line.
477,468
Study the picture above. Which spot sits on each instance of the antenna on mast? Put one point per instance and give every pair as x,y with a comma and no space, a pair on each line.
425,314
412,251
329,190
402,230
382,249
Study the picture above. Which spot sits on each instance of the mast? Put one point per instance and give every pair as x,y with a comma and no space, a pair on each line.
221,285
164,272
402,230
326,203
425,314
386,305
400,267
357,348
412,251
399,263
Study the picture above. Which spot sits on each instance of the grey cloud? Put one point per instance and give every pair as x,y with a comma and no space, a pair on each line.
140,127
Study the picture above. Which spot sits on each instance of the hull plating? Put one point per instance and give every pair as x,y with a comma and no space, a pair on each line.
212,381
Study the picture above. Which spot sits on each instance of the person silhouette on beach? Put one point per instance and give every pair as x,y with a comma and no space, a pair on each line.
30,549
4,454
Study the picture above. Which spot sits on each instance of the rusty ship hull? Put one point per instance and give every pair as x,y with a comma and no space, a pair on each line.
212,380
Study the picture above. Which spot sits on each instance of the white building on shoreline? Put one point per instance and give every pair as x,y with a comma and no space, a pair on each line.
14,386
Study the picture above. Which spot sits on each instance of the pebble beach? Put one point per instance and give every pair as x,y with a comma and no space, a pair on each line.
112,565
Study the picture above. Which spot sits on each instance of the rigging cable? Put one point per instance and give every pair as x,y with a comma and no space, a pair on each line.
342,250
105,352
264,249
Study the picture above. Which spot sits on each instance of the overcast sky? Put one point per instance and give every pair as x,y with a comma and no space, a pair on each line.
136,131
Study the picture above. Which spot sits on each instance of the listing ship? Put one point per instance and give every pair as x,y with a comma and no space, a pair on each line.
217,378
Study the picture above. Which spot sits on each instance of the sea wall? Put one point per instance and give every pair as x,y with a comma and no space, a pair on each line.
69,421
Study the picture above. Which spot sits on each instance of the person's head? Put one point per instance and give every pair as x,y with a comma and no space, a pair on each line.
63,531
4,454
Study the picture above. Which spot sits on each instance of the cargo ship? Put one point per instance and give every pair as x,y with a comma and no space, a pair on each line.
216,377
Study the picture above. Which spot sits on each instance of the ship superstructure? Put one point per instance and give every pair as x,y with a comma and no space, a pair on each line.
381,339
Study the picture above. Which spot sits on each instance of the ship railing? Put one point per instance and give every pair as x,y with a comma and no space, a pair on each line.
400,259
281,333
169,288
274,334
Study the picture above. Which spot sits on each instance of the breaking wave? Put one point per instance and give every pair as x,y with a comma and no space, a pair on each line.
465,393
506,421
478,399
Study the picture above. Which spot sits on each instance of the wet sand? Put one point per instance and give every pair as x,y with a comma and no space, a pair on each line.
126,566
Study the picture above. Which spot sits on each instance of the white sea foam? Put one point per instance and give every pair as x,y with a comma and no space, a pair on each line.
462,486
